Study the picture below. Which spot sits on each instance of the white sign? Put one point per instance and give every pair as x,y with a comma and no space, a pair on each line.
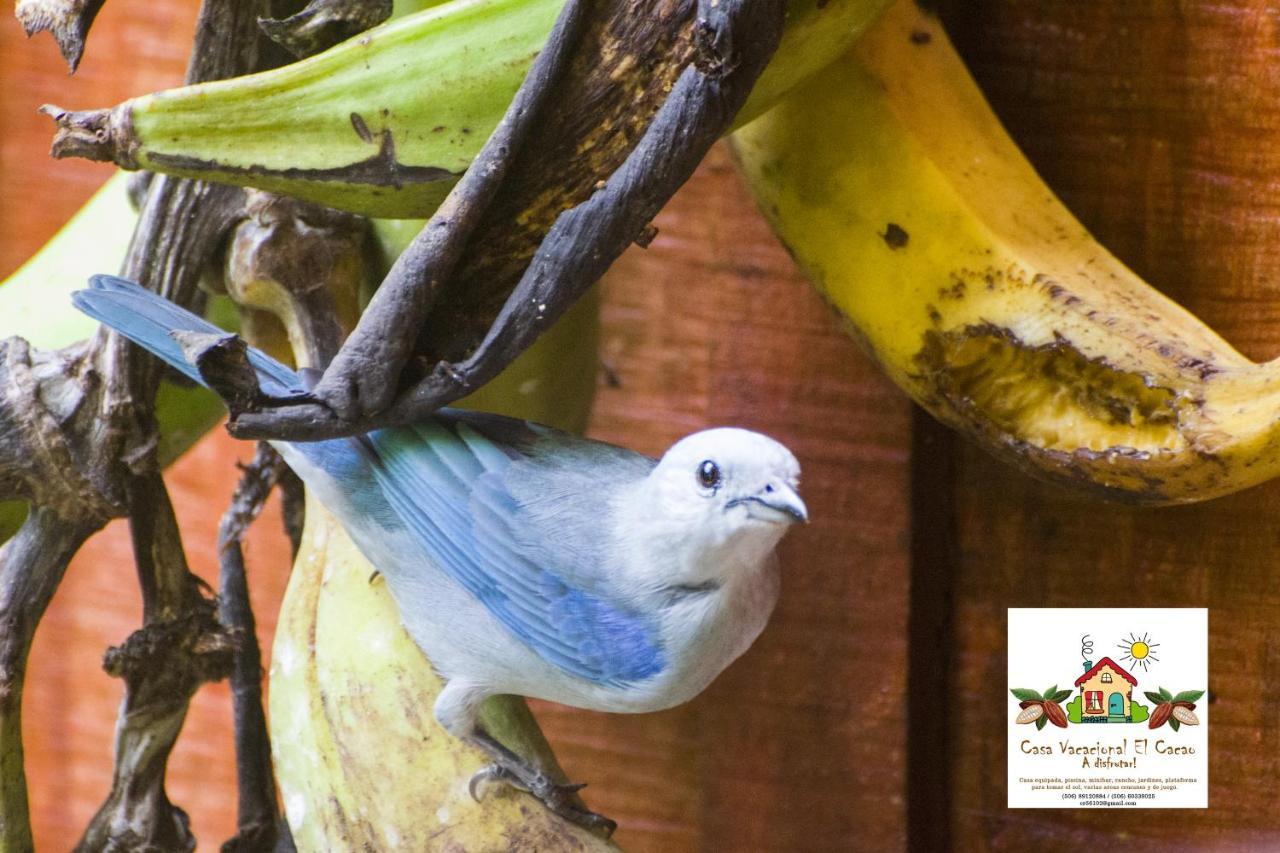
1108,708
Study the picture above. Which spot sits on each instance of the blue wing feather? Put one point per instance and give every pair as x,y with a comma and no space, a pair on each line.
147,319
448,481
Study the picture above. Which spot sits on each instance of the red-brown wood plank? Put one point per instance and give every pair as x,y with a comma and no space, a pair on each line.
1157,123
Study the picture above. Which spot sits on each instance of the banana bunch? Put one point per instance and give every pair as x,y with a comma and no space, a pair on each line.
35,302
385,123
894,186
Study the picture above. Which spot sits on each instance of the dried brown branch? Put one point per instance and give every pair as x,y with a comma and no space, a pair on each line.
77,439
31,567
324,23
68,21
562,187
50,440
180,646
257,818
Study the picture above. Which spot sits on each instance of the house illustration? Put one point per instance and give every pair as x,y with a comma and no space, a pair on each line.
1107,691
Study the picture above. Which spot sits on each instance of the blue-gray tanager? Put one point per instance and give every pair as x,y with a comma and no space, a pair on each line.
529,561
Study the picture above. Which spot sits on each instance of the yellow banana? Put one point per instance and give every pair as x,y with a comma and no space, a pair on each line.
383,124
895,187
360,760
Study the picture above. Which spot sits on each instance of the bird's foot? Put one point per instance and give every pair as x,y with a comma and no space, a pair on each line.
510,769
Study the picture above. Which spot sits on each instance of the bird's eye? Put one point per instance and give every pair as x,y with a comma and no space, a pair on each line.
708,474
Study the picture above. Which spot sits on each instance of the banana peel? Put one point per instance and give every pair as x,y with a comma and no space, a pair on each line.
896,189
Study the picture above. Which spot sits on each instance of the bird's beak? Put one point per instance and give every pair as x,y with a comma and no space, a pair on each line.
778,503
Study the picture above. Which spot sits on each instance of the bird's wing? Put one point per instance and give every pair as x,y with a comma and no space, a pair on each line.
512,512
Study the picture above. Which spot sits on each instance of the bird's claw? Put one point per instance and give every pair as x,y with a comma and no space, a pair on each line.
487,774
558,798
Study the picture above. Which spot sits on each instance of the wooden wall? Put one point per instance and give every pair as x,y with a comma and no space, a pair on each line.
1157,124
1159,129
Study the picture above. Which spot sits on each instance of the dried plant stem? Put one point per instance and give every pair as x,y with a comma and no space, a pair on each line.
257,819
31,567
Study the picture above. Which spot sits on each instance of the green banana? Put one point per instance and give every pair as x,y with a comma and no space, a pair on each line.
384,123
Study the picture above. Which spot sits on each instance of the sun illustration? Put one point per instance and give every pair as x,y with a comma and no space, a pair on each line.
1139,650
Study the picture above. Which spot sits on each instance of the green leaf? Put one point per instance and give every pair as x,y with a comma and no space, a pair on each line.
1052,690
1040,721
1188,696
1154,697
1174,724
1060,696
1023,694
1165,695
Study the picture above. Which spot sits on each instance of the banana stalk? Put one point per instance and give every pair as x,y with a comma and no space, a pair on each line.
385,123
895,187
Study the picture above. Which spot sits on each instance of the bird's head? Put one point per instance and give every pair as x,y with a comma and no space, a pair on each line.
728,484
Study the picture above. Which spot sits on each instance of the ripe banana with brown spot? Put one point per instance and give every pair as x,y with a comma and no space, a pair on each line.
384,123
895,187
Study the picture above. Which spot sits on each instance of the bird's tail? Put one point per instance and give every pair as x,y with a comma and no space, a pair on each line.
149,320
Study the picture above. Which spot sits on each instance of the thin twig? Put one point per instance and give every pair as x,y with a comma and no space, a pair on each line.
257,818
293,508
